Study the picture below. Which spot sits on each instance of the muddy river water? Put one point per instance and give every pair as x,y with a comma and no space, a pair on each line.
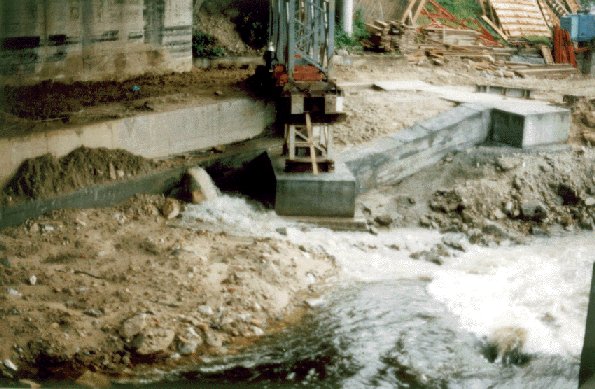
392,321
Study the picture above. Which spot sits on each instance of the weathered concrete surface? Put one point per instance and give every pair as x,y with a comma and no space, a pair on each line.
587,370
530,125
390,159
93,39
152,135
305,194
93,197
168,181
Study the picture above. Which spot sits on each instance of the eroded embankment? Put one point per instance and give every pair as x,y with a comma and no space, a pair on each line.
117,290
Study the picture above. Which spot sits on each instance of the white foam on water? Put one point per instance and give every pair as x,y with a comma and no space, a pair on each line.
542,288
361,255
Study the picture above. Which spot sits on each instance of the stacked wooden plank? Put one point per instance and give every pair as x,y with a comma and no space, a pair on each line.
520,18
450,36
542,71
514,19
383,36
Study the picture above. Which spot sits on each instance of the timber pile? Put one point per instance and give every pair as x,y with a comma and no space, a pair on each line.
384,36
542,71
513,19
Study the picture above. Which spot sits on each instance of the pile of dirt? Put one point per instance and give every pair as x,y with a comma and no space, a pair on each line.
583,119
46,176
223,30
123,290
494,194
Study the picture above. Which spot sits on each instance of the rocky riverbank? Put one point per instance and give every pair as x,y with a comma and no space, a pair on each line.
100,294
488,195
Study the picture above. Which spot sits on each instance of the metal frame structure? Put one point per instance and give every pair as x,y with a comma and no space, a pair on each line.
303,33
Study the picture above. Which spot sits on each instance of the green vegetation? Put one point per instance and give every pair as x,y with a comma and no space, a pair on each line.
462,9
342,40
205,45
539,40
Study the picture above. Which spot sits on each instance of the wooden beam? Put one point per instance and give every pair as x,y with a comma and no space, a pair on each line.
498,31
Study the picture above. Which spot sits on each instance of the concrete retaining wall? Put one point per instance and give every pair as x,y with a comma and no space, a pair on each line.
71,40
151,135
93,197
393,158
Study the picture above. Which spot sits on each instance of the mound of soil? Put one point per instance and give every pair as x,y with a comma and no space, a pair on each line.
46,176
494,194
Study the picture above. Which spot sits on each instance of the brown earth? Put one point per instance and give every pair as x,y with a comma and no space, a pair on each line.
494,194
118,290
47,176
49,105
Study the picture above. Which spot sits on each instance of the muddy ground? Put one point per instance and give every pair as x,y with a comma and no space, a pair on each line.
115,290
50,105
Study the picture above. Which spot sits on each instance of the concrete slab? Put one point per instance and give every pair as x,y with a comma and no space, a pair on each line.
530,125
305,194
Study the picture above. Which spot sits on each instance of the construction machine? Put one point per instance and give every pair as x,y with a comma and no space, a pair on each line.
297,69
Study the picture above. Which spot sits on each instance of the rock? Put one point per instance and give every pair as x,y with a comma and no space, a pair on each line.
383,220
257,331
218,93
590,201
170,208
30,384
120,218
498,214
455,241
32,280
212,339
153,341
189,342
13,292
92,379
310,278
133,326
120,173
10,365
282,231
93,312
205,310
45,228
533,210
315,302
508,208
112,172
200,186
506,163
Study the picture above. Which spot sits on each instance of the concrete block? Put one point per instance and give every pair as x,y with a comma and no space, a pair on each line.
390,159
530,125
305,194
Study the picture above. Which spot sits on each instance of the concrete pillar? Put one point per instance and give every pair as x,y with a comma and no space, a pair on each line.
347,17
587,371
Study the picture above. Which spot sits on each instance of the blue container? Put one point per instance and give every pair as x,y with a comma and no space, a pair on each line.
581,27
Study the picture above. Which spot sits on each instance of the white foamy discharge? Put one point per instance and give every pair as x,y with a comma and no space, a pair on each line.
361,255
542,287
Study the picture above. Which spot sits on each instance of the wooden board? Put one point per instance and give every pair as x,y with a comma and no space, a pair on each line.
520,18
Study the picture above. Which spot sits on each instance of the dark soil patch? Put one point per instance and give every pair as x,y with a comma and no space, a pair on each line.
46,176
